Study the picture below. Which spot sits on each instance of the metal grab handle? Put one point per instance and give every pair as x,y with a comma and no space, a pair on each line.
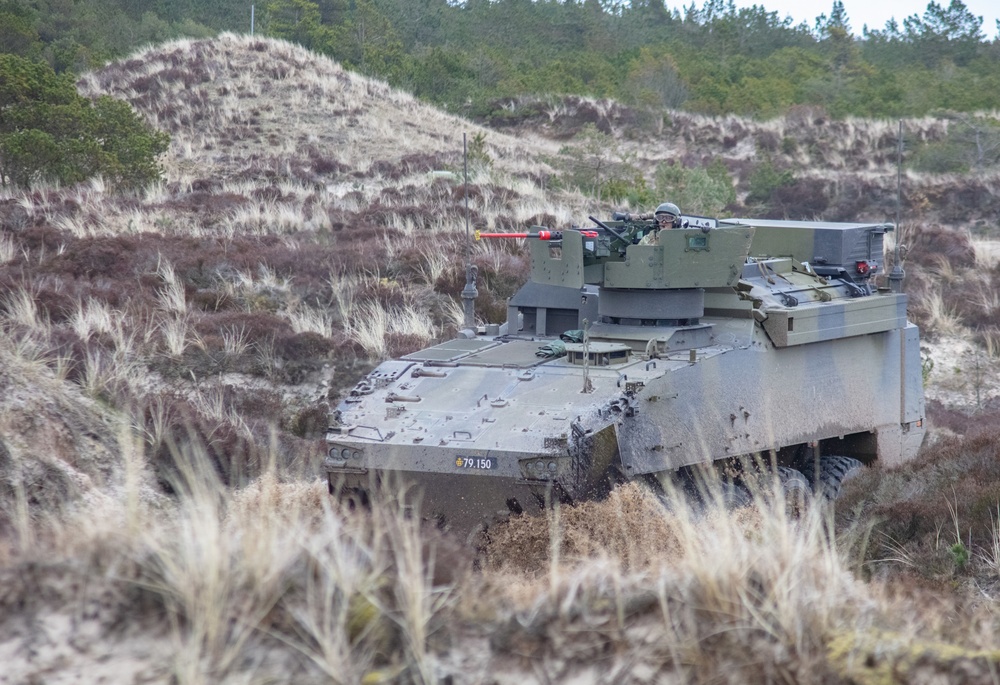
427,373
380,438
393,397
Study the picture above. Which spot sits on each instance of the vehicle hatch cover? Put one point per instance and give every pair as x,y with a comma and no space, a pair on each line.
451,351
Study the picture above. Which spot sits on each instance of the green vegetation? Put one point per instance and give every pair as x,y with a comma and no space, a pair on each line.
709,190
597,166
765,179
472,55
971,143
715,59
49,133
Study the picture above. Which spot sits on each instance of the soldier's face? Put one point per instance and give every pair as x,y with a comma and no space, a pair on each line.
665,220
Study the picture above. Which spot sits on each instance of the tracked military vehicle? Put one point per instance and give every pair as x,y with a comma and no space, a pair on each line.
632,353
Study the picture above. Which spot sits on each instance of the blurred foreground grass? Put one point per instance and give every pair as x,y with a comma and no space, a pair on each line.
272,583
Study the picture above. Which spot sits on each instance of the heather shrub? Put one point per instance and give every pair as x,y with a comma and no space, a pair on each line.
54,304
929,244
804,198
113,258
37,486
418,260
13,217
212,300
547,220
209,206
977,301
398,344
388,293
854,197
197,362
962,422
916,513
302,347
260,407
302,354
415,163
42,238
255,326
412,216
310,422
65,348
179,433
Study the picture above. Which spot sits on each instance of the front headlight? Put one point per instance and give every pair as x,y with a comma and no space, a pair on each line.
544,468
338,456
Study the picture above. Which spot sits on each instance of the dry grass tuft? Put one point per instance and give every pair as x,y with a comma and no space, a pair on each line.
700,597
987,253
269,575
522,545
272,582
382,330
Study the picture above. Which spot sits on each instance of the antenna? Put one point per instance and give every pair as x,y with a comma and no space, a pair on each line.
587,385
897,274
469,293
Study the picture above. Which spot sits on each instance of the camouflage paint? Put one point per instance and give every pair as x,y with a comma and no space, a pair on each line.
766,356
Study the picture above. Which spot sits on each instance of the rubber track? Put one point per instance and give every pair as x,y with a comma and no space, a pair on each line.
833,471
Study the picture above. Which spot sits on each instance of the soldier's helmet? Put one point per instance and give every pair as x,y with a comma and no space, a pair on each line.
667,215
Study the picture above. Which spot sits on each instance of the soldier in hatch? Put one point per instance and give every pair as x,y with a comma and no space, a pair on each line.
667,215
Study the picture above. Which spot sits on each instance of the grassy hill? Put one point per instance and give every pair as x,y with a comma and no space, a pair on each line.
169,359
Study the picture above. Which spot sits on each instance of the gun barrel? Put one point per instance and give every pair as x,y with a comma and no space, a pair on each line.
503,235
541,235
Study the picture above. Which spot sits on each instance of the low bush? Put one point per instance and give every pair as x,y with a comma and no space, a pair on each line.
804,198
178,433
915,514
929,244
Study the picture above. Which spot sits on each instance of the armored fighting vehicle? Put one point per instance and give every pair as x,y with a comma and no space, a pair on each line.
633,353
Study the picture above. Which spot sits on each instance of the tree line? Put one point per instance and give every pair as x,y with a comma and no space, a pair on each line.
475,56
470,55
715,59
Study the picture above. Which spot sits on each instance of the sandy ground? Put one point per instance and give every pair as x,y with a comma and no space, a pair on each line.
959,374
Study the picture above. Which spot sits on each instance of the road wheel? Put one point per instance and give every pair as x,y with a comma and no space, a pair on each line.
796,490
834,471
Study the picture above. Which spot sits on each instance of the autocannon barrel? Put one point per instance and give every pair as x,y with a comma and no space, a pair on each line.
540,235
